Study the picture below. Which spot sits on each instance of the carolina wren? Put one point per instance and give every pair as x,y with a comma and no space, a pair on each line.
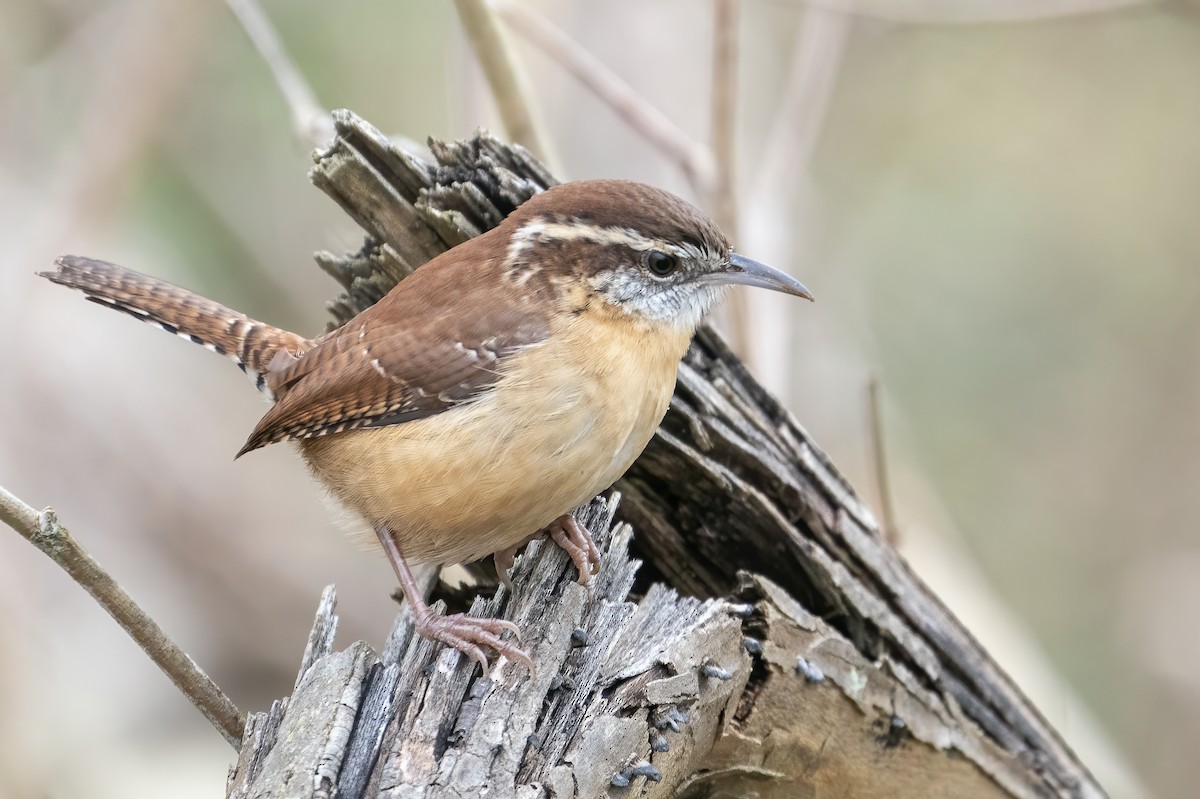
502,384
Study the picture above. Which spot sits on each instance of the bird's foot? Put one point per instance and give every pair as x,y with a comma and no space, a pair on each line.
574,538
469,635
503,561
465,633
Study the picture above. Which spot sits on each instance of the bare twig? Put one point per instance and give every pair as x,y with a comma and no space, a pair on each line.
723,200
970,11
796,128
508,87
44,532
694,158
310,119
724,114
883,483
775,210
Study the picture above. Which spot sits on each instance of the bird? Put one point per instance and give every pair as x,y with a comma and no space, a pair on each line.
502,384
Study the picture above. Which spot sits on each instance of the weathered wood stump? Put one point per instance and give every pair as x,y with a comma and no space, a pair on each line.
819,666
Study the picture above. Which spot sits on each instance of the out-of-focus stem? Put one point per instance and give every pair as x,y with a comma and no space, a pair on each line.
43,531
512,97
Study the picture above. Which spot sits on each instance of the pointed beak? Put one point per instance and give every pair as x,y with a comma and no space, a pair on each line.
746,272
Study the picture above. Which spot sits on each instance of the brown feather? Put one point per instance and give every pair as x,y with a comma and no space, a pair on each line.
567,420
506,387
437,340
254,346
434,341
439,337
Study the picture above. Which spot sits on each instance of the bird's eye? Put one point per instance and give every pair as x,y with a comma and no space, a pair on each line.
661,263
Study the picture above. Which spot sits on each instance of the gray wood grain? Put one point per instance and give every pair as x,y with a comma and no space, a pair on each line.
835,671
427,723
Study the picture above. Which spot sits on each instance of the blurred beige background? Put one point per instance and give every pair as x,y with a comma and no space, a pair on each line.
997,213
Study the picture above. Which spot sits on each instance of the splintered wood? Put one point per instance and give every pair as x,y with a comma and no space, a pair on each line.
623,693
821,667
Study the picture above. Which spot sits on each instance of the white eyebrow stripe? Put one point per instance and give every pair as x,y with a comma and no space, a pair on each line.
575,230
581,231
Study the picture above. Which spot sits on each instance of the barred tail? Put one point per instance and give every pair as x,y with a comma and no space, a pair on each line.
255,347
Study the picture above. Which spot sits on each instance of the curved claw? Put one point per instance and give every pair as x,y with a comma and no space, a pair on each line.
503,561
464,633
577,542
512,628
501,646
467,634
474,653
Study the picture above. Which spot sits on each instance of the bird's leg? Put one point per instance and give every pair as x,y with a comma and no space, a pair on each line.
458,630
568,535
503,560
573,537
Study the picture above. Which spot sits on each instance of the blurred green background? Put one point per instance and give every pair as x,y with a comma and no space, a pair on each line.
999,220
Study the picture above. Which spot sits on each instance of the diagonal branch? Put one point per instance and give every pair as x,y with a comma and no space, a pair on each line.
969,12
309,118
724,114
512,96
44,532
776,208
694,159
883,481
722,201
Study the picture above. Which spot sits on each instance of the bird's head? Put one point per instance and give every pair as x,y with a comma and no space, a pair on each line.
635,247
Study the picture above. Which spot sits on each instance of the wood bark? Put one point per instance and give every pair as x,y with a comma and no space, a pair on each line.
772,643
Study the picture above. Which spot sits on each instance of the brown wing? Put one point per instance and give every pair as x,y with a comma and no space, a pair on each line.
435,341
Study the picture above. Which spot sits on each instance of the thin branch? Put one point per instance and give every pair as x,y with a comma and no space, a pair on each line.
309,118
724,114
723,200
44,532
883,482
968,12
777,207
512,96
800,117
694,158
